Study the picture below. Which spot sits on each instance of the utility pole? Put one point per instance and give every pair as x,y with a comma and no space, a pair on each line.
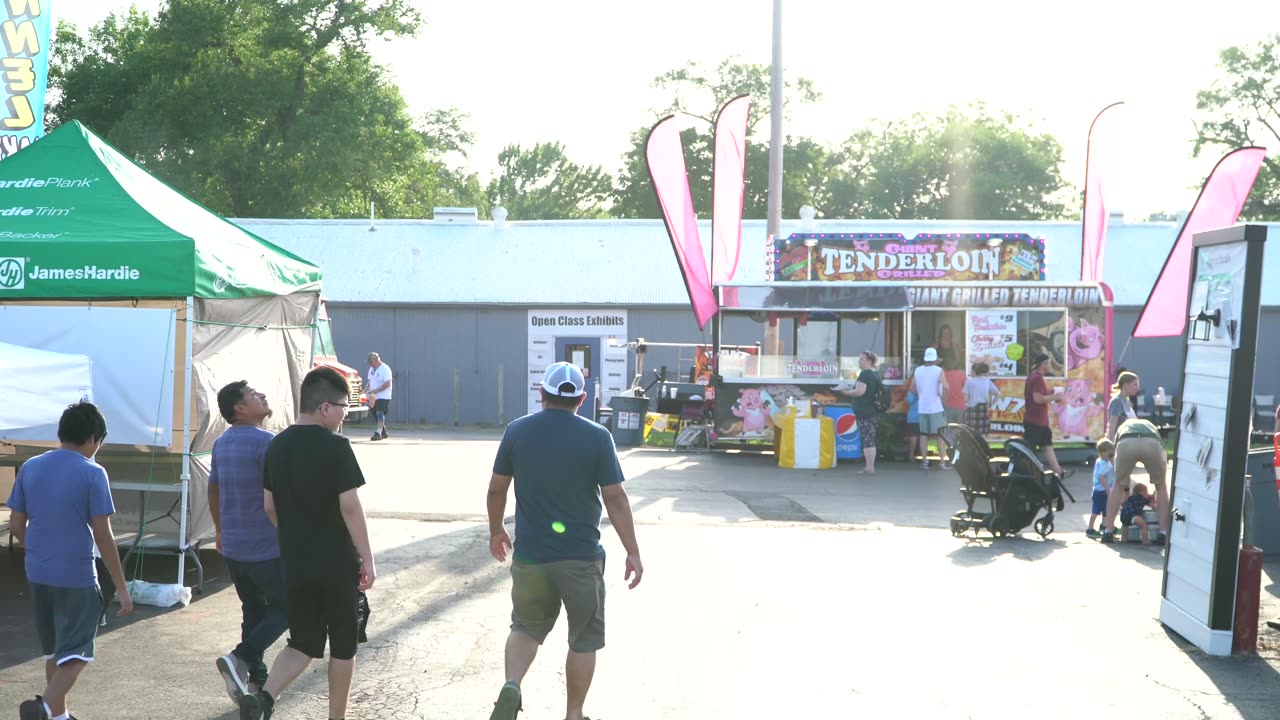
772,339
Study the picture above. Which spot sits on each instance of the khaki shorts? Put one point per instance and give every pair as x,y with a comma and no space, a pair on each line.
538,591
1133,450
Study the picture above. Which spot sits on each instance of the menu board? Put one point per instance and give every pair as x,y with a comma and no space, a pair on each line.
991,335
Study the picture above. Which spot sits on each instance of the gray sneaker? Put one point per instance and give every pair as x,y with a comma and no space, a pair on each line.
235,673
508,704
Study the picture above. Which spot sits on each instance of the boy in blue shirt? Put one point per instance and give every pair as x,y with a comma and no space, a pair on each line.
1104,478
913,424
61,506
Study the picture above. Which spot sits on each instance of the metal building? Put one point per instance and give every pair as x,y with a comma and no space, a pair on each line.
468,312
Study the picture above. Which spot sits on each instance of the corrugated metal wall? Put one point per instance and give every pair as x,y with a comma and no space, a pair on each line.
426,345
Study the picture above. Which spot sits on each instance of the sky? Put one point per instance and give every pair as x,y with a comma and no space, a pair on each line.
580,71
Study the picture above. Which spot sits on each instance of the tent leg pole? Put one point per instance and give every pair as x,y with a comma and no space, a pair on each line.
186,441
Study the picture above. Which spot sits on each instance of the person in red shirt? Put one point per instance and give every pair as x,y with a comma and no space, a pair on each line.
1035,417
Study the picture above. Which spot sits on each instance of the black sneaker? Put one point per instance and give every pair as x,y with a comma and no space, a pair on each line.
32,710
1108,538
257,706
384,433
376,436
508,705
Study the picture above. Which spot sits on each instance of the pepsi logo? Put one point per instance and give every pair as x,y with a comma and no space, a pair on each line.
847,427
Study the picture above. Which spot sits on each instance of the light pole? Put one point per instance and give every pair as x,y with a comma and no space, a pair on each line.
774,225
775,121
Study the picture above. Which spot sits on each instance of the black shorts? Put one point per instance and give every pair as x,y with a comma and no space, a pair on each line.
321,609
382,406
1037,436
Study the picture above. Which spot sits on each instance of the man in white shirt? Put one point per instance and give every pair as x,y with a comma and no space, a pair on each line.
930,385
379,392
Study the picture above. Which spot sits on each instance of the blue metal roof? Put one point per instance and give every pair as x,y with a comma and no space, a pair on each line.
630,262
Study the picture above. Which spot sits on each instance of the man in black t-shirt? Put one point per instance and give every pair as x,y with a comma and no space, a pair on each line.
310,481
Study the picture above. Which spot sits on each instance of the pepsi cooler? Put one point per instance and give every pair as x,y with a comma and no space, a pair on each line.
848,439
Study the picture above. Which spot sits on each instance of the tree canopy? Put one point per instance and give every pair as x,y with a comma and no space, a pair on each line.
262,109
1243,108
964,164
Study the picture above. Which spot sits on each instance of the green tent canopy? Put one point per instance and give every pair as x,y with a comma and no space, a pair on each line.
78,219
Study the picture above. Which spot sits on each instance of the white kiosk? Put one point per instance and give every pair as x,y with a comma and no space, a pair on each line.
1208,486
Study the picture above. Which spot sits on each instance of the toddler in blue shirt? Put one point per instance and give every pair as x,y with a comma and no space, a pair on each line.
1104,478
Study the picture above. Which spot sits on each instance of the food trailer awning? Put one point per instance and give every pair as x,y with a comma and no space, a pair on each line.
816,296
898,296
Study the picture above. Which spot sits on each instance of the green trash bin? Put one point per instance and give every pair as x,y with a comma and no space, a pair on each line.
629,414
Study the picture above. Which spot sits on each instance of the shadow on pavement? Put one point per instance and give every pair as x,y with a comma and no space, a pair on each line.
1240,678
984,550
21,644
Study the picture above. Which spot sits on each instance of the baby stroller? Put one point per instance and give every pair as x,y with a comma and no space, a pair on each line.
1016,485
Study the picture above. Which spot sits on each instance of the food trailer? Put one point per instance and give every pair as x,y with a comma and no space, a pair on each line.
975,297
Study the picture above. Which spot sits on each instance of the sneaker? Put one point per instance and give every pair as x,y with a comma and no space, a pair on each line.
508,704
384,433
376,436
235,673
32,710
946,465
925,464
1091,533
1108,538
257,706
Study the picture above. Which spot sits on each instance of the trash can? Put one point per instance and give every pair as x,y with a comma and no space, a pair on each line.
628,420
1262,521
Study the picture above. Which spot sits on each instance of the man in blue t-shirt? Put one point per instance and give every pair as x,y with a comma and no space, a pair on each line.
562,464
61,507
246,537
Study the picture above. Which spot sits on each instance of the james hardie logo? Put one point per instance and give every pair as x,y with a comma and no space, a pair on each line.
12,273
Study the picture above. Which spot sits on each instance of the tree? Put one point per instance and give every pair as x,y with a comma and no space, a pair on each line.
543,183
261,108
1243,108
962,165
700,94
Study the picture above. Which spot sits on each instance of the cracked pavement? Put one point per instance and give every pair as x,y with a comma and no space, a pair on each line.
868,608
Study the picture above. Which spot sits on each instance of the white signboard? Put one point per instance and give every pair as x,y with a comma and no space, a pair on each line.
608,325
990,335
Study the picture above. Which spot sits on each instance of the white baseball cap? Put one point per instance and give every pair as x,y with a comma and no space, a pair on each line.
931,355
560,373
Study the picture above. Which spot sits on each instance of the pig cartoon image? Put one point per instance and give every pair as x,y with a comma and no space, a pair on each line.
950,247
1075,413
1084,344
753,411
861,245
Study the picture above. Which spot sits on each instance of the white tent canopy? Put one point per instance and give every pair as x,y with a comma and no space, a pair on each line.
37,385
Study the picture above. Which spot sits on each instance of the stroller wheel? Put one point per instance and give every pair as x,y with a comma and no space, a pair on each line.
1044,527
995,525
956,529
